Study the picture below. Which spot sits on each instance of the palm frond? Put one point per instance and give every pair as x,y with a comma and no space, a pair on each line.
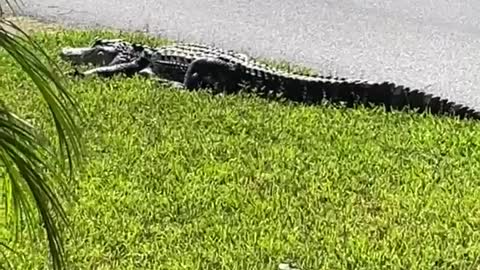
10,4
24,50
27,191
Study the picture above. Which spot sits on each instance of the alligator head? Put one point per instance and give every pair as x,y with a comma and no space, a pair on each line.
101,52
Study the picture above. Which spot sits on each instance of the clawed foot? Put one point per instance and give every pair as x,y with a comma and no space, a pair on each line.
169,83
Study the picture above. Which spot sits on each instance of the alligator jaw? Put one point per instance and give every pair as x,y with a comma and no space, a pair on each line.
88,55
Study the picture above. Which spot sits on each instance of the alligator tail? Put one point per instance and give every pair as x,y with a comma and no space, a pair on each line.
316,89
387,94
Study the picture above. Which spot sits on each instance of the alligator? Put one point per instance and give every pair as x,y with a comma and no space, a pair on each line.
196,66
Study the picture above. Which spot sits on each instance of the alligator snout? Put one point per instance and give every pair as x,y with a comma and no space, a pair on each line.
88,55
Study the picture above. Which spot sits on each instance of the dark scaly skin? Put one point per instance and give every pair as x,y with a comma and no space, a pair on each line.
315,89
198,66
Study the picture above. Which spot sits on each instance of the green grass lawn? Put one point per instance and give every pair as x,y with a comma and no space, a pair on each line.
188,180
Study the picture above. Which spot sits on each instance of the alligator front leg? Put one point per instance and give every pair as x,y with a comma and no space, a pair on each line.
128,69
150,74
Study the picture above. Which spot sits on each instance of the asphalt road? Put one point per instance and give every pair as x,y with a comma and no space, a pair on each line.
429,44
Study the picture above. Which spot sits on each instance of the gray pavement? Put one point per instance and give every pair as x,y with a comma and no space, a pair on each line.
433,45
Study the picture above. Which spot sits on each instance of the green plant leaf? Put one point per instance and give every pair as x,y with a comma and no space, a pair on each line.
28,186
